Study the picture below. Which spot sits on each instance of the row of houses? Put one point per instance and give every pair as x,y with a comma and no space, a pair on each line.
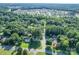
48,12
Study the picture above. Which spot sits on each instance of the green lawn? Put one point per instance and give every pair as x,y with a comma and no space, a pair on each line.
40,53
74,53
9,52
24,45
5,52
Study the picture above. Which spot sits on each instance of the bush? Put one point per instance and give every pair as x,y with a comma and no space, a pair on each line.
77,47
34,44
48,50
19,51
24,52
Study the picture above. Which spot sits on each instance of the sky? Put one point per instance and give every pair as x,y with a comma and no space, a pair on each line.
39,1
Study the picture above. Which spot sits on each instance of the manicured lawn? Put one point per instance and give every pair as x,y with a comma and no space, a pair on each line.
5,52
73,53
24,45
40,53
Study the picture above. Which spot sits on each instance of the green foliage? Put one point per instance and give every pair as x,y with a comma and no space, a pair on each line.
24,52
71,33
34,44
24,45
48,50
5,52
54,30
19,51
14,27
14,39
40,53
77,47
64,41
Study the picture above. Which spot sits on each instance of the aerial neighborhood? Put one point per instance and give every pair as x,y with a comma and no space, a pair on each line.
39,29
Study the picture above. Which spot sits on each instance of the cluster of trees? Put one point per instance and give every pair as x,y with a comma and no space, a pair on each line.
14,27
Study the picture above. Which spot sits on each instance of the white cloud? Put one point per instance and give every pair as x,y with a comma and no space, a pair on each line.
39,1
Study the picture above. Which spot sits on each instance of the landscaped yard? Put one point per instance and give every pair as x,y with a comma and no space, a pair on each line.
12,52
74,53
24,45
40,53
5,52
